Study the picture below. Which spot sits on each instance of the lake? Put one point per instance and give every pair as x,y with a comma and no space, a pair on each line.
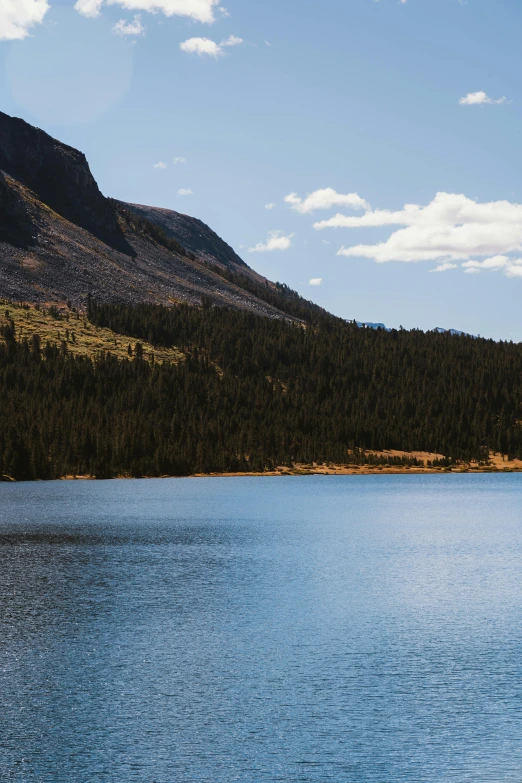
356,629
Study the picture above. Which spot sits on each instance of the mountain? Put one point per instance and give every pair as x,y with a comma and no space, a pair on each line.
192,234
457,332
438,329
130,369
371,325
61,239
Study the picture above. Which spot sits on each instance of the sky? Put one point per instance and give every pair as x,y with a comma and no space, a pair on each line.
366,153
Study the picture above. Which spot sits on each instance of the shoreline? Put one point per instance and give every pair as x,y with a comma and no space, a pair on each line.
355,472
345,471
495,464
386,462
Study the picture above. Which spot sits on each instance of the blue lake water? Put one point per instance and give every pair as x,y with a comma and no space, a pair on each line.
358,629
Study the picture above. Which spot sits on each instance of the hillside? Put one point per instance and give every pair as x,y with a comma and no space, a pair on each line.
135,341
194,235
61,239
234,392
70,330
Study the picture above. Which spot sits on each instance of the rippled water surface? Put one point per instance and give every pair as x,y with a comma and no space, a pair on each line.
348,629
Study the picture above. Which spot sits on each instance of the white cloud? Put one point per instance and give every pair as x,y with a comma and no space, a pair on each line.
495,263
198,10
89,8
511,267
18,16
325,198
232,40
271,205
480,98
184,192
129,28
444,267
514,270
276,240
178,160
451,228
224,11
315,281
201,46
205,46
160,165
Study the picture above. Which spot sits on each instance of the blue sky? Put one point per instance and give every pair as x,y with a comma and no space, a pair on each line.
220,109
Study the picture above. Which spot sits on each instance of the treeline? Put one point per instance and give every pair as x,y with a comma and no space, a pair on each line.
253,393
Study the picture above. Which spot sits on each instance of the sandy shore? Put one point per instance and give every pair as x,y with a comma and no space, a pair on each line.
345,470
496,464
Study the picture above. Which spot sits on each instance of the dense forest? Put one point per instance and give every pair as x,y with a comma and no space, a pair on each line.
251,394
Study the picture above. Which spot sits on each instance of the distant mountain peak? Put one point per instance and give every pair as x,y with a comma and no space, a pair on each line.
439,329
372,325
456,332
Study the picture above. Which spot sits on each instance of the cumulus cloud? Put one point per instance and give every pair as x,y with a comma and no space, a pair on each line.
276,240
444,267
232,40
271,205
178,160
315,281
205,46
480,98
201,46
89,8
18,16
325,198
184,192
198,10
514,270
129,28
511,267
451,228
160,165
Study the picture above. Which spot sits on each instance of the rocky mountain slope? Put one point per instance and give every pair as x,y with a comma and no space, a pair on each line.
192,233
61,238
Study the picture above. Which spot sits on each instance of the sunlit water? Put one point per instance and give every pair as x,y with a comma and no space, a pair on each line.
348,629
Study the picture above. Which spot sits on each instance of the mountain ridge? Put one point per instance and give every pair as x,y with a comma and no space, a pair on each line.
61,239
195,235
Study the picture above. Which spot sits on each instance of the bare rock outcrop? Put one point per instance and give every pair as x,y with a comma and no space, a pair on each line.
60,177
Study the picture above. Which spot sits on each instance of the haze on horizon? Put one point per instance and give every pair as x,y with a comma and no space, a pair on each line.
365,153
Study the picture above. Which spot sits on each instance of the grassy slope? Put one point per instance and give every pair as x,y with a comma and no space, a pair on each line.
81,337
